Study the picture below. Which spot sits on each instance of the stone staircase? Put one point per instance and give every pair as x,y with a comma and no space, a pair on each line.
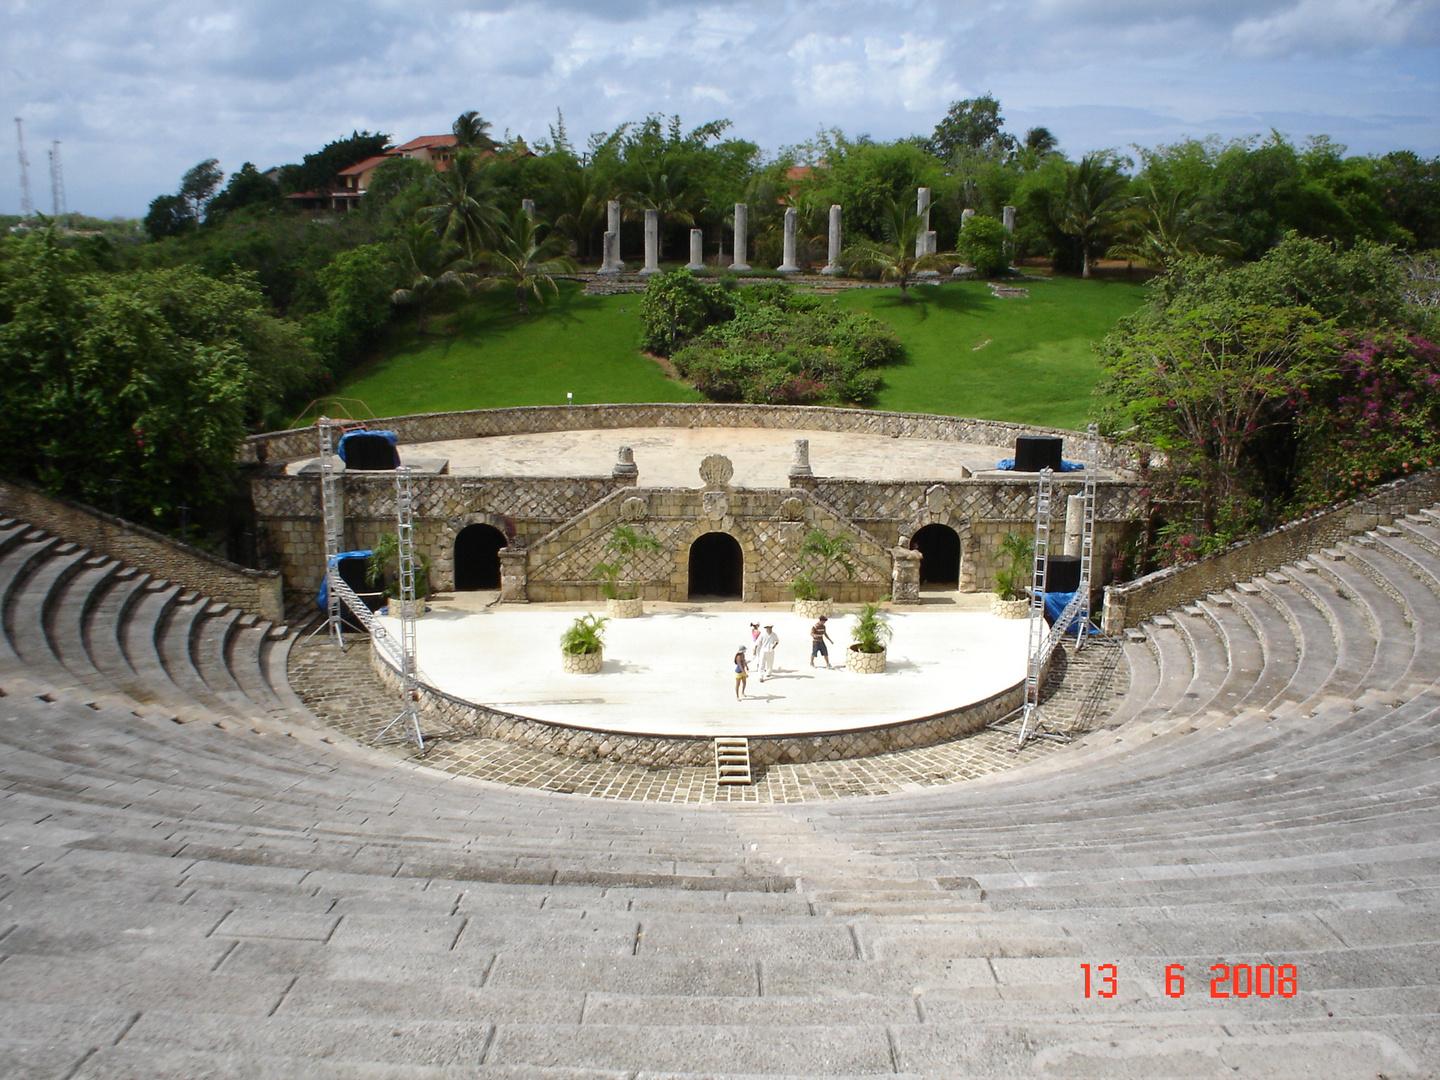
200,881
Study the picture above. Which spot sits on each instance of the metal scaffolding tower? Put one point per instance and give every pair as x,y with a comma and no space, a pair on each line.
409,718
57,181
27,208
332,515
1087,537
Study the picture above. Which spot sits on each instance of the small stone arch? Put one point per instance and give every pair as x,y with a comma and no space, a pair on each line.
715,567
939,547
960,526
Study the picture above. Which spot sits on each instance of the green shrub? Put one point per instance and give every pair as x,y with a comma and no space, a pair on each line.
985,244
1014,575
677,306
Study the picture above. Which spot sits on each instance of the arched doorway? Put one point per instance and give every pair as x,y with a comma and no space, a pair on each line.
939,547
717,568
477,558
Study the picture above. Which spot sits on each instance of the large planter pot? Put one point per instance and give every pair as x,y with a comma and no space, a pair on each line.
625,609
585,663
393,608
1009,609
864,663
813,609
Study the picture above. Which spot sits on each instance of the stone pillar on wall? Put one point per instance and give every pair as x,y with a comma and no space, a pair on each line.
905,576
652,243
697,250
832,263
801,474
514,576
792,221
742,238
626,473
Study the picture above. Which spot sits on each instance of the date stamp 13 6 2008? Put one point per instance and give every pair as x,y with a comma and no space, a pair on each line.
1227,981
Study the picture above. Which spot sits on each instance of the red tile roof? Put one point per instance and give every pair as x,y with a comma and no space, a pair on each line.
368,163
423,141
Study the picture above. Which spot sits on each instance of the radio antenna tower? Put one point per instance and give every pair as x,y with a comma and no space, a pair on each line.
26,208
57,181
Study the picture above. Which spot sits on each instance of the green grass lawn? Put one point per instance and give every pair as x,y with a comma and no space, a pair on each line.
491,357
967,353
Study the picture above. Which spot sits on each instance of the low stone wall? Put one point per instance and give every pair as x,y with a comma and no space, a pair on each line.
280,446
661,752
254,591
1135,601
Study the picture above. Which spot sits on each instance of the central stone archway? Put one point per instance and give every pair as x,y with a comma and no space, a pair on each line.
939,547
717,568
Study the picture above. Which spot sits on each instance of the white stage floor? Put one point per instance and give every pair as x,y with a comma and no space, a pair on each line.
670,672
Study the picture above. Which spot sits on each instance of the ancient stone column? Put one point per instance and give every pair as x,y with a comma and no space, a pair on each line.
1007,216
612,211
611,254
832,262
652,243
527,207
922,208
742,239
697,250
792,220
800,464
1074,523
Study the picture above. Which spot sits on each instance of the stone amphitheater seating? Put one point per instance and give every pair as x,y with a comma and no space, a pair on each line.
200,881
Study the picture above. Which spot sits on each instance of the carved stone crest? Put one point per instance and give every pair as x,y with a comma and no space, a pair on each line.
716,503
635,508
716,470
792,509
937,498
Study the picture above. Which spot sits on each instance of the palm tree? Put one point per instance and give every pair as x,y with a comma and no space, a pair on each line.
894,257
521,259
666,187
464,209
471,132
1091,205
578,200
1160,226
432,265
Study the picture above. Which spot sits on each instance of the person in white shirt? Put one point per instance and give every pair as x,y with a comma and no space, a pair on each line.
765,650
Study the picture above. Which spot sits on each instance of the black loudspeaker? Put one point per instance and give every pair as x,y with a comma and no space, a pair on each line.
1062,572
1036,452
367,451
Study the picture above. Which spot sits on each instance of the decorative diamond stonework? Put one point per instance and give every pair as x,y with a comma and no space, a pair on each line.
716,470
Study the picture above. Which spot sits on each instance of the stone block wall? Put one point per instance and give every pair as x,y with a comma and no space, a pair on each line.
281,446
255,591
1135,601
768,524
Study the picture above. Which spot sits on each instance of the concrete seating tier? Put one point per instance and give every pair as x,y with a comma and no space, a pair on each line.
198,880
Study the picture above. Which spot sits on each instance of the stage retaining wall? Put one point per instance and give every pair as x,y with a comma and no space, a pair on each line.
255,591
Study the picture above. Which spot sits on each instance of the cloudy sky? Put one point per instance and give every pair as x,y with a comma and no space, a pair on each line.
136,91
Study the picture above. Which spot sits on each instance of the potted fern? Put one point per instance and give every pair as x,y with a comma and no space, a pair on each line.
617,576
383,555
868,640
1017,561
582,645
822,555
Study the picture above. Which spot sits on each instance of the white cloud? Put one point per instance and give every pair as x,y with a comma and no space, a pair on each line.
1336,25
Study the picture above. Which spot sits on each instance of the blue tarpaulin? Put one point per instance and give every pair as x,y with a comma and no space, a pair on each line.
1055,605
325,581
1065,466
389,436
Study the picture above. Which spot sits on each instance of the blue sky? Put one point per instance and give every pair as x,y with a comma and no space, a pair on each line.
139,91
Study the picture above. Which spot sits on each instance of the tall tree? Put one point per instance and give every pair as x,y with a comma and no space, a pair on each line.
472,132
971,124
464,209
1091,205
525,260
1158,226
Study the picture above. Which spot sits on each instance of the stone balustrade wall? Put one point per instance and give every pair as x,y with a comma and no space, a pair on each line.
1135,601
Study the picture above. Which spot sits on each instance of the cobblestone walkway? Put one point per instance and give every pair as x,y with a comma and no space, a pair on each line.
341,690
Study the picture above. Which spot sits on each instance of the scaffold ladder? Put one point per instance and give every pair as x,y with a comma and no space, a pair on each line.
332,516
409,719
1087,538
